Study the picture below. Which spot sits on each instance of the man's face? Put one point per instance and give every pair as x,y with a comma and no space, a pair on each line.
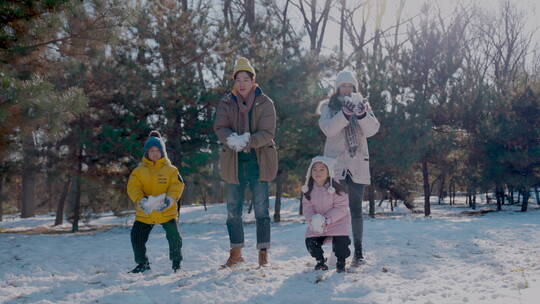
243,83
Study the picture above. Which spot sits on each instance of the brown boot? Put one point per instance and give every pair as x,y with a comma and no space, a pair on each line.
263,258
235,257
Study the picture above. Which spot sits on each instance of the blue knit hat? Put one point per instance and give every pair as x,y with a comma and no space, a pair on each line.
154,140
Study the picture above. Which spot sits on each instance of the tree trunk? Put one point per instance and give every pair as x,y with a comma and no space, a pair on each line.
77,193
301,208
525,202
371,195
341,33
61,203
28,198
499,195
425,175
537,195
28,203
279,189
473,198
441,190
511,190
216,183
1,199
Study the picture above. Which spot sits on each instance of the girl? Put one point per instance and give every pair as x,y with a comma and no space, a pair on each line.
155,186
326,208
347,121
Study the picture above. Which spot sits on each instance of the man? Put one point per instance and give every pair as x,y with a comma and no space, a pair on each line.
245,124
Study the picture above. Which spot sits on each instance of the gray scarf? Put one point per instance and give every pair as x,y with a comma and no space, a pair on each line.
352,131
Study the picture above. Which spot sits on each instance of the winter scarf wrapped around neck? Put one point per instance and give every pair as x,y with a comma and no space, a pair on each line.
353,130
244,106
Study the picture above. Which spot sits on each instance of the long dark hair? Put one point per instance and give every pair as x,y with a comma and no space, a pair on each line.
339,187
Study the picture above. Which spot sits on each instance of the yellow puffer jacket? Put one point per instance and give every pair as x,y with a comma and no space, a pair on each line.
155,178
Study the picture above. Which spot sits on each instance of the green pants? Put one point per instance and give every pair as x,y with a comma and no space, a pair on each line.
139,236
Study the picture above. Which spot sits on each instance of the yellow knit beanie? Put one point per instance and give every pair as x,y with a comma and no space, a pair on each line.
242,64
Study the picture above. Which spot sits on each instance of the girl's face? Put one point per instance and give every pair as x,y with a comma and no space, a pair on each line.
319,173
243,83
154,154
346,89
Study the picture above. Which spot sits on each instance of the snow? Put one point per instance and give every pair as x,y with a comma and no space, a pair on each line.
445,258
317,223
154,202
238,142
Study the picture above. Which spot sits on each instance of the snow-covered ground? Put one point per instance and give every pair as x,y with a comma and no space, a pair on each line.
448,258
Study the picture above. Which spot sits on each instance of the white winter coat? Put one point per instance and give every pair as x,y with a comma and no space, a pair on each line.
333,126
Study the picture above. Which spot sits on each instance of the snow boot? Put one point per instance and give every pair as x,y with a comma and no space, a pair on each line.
235,257
321,265
340,266
263,258
358,258
175,266
141,268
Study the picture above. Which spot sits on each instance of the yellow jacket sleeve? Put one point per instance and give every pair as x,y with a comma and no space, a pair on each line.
135,187
176,187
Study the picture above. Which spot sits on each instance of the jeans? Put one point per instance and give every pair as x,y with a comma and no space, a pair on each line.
139,236
356,195
248,174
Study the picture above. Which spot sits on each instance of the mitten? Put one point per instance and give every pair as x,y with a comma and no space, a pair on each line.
167,202
348,107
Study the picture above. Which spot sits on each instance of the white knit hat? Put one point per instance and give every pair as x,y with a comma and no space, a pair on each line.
346,77
330,163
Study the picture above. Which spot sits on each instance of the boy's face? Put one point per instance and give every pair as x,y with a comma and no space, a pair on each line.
319,172
243,83
346,89
154,154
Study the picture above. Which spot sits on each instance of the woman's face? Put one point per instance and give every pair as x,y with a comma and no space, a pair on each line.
243,83
346,89
154,154
319,173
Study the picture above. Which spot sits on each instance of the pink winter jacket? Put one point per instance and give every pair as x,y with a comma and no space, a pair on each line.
334,207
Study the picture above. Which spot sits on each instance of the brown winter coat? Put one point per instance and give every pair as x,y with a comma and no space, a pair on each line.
263,129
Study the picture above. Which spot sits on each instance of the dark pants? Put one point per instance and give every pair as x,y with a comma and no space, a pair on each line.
139,236
340,246
248,174
356,195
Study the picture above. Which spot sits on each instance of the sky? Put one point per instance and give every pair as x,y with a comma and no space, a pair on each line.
413,7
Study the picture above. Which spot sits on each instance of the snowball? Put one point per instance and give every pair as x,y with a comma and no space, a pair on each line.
317,223
238,142
155,202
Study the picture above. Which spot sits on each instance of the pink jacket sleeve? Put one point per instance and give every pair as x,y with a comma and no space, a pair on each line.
307,208
340,208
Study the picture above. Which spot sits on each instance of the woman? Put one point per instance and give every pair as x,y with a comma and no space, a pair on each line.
347,121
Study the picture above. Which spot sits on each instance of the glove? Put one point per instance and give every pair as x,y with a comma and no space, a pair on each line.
167,202
143,203
348,107
360,108
318,223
